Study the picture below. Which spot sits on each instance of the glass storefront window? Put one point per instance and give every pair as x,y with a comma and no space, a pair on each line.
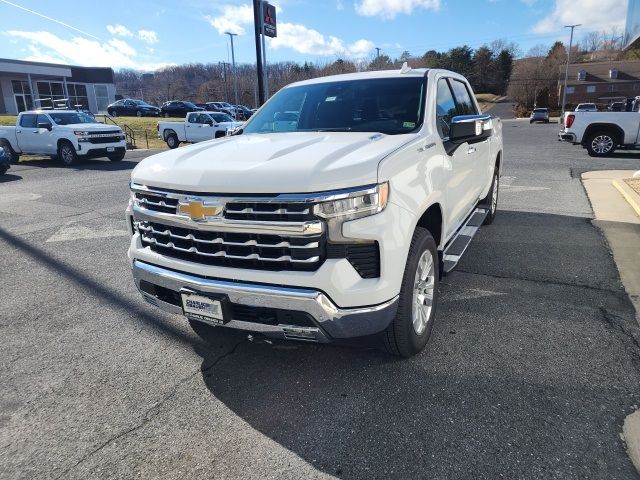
102,97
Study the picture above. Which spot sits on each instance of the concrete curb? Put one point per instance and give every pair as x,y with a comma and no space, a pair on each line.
629,195
631,436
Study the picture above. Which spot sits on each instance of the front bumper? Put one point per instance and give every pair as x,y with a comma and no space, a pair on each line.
330,321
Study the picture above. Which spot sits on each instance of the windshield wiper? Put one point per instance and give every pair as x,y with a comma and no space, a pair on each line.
344,129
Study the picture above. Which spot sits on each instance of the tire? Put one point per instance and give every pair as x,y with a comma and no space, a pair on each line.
3,169
410,330
172,140
530,122
138,114
491,200
114,113
166,114
601,144
117,157
220,134
67,154
15,158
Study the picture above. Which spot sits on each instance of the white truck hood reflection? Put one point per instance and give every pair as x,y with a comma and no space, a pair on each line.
292,162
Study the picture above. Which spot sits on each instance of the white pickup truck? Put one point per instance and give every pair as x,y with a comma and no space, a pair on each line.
336,225
65,134
197,127
601,133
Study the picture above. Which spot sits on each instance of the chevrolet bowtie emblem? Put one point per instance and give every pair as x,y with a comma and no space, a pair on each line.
198,210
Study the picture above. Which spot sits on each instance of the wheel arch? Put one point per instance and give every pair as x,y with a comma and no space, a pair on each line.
64,140
168,132
432,220
603,127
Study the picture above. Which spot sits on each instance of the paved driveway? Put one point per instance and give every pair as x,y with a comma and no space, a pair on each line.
533,364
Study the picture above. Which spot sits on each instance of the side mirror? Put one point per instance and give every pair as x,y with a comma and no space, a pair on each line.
48,126
465,128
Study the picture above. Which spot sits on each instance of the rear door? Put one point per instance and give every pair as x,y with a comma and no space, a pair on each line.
192,127
27,134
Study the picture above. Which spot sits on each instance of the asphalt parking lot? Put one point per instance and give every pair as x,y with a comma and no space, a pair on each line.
533,364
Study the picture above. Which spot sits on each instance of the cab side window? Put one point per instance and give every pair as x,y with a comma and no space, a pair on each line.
466,106
445,108
28,120
205,119
193,118
43,119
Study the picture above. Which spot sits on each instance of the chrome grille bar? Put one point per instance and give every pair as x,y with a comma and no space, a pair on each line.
220,241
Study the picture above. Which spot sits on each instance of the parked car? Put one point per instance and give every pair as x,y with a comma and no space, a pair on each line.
602,133
67,134
586,107
5,161
617,107
197,127
339,227
132,107
242,112
178,108
539,115
222,107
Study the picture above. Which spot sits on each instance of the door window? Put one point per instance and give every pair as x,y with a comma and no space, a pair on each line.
43,119
28,120
193,118
463,98
445,108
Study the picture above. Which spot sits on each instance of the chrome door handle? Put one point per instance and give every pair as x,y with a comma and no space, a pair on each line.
471,150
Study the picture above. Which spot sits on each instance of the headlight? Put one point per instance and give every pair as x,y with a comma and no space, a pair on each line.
350,206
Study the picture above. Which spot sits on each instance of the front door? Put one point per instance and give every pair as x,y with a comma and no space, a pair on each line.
458,165
203,128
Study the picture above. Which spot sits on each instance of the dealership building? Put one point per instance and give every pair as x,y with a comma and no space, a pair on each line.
28,85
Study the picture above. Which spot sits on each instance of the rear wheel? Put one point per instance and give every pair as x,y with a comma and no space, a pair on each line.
601,144
172,140
138,114
409,332
491,200
67,154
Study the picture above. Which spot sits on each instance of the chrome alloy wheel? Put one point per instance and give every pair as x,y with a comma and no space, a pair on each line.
67,154
602,144
423,290
494,194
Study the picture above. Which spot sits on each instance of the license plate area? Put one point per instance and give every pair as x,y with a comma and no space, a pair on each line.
205,307
111,149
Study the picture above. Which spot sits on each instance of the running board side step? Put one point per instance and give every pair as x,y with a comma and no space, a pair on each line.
458,245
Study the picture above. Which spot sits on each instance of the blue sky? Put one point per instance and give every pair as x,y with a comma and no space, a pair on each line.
147,34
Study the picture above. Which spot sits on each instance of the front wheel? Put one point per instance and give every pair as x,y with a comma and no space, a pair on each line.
601,144
113,113
138,114
67,154
166,114
117,157
409,332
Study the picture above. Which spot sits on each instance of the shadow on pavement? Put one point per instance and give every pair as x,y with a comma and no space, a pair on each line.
525,378
92,164
9,177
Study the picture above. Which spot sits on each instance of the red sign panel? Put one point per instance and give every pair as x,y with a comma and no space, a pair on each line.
269,20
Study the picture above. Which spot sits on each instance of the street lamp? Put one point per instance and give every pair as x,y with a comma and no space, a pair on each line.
233,66
566,71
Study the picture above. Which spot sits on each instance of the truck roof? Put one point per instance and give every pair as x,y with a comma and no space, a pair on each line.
396,73
44,110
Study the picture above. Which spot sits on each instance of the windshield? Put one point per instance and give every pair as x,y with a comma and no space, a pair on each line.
69,118
386,105
539,110
221,117
140,102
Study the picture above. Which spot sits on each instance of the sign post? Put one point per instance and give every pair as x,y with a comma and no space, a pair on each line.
268,29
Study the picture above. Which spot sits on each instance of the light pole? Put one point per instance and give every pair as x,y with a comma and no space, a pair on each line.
233,66
566,71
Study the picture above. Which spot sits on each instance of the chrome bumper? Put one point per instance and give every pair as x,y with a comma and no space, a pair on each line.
567,137
332,322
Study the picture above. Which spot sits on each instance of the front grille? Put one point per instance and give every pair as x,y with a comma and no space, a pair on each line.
237,250
269,212
156,202
98,140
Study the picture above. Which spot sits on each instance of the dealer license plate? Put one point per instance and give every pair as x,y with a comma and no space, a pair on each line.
111,149
202,308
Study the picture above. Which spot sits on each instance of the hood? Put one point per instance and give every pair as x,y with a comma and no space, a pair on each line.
292,162
92,127
231,125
